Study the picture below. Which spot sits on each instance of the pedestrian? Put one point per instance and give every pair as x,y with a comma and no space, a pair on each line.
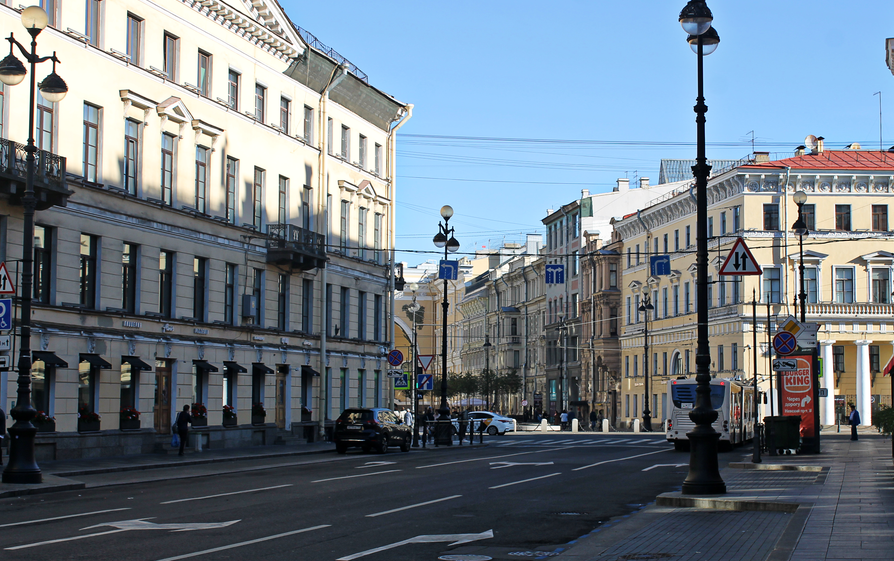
563,419
854,421
599,418
408,417
2,432
593,418
463,422
429,431
183,421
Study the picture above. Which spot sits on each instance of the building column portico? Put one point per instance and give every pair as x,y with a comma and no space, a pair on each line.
864,385
827,404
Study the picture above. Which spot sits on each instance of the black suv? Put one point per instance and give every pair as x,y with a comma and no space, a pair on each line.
371,427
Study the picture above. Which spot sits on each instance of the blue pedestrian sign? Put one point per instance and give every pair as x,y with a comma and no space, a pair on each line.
425,382
555,274
6,314
448,270
402,382
660,265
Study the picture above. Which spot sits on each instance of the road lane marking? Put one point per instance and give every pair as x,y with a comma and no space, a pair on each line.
524,480
60,540
226,494
62,517
620,459
457,539
242,544
492,457
664,465
500,465
353,476
426,503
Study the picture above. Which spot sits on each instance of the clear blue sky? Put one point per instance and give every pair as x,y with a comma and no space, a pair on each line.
581,93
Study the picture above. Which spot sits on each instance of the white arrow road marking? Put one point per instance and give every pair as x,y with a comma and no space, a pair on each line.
241,544
499,465
457,539
226,494
620,459
125,525
353,476
375,464
66,516
413,506
664,465
524,481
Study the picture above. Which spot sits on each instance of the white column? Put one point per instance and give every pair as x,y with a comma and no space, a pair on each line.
827,404
864,386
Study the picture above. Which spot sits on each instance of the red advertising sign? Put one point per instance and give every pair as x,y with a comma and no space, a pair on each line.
796,391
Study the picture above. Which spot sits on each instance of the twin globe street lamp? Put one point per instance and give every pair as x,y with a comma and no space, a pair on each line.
646,307
444,239
22,467
414,308
800,229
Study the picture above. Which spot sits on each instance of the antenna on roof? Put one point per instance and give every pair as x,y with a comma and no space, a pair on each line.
752,140
879,94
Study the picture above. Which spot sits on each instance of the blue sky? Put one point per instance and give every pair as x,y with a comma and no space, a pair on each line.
520,105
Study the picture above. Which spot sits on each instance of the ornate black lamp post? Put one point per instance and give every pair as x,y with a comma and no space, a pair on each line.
704,473
646,307
22,467
444,238
487,376
800,229
414,309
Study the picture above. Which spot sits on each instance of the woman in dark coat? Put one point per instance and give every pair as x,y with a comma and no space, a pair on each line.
182,424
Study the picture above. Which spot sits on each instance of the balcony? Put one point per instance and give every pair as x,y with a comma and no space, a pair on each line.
295,247
50,187
833,310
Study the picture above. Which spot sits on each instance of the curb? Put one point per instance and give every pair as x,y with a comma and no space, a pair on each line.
50,484
678,500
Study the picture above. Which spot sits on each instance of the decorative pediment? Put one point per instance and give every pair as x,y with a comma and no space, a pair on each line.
210,131
174,109
692,269
718,262
347,186
635,286
674,276
653,280
130,97
811,257
876,257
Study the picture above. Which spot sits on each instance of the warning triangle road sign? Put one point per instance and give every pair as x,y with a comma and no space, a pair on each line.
425,361
6,284
740,261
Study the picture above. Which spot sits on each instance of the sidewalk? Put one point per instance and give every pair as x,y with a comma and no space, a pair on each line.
836,505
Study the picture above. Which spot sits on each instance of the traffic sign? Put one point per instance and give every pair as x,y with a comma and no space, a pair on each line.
785,365
5,343
395,358
823,392
4,362
395,373
402,382
784,343
425,382
740,261
425,361
555,274
6,313
448,270
660,265
6,284
805,332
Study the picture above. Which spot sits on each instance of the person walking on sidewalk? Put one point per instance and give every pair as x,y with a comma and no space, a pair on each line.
2,432
183,421
563,419
854,420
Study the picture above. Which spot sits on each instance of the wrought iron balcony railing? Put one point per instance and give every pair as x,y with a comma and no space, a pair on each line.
50,187
298,247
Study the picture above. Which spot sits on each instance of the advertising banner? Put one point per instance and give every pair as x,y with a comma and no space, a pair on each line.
796,393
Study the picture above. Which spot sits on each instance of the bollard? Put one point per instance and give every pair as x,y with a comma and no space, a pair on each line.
605,427
198,442
575,425
544,426
636,425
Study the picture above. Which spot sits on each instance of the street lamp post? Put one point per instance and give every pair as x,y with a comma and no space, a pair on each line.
800,229
414,309
646,307
22,467
487,347
704,473
444,238
563,332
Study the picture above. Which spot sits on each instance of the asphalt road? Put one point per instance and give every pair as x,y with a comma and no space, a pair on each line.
523,493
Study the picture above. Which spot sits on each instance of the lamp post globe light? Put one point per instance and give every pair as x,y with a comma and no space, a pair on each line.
444,239
414,309
22,466
646,307
800,229
704,473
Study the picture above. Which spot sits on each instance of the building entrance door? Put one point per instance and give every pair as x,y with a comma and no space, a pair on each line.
282,377
162,409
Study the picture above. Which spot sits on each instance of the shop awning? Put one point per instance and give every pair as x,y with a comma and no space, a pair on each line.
261,367
95,360
234,366
203,365
305,369
135,363
48,358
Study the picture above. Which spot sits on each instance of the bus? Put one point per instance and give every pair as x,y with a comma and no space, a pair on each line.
733,400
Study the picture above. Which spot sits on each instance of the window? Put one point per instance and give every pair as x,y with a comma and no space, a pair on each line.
88,275
881,285
93,25
377,238
808,213
343,231
86,388
260,101
232,171
378,159
129,277
688,240
629,256
282,301
344,317
361,233
329,324
676,299
307,303
734,356
880,218
810,274
710,227
306,196
874,361
720,362
655,245
199,287
613,275
722,292
637,254
664,303
131,156
361,147
771,287
258,294
737,218
230,294
837,358
134,39
676,240
377,317
283,200
346,143
43,264
233,79
127,396
172,44
45,122
167,168
257,198
166,283
844,285
722,223
575,263
843,217
665,244
629,314
710,292
201,178
203,79
91,141
771,216
308,124
736,283
49,6
361,316
686,299
330,136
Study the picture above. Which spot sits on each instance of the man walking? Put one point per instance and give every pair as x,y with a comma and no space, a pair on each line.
854,420
183,421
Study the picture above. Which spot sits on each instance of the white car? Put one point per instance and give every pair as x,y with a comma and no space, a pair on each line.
495,423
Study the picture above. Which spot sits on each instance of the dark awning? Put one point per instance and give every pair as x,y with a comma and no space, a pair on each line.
305,369
135,363
203,365
261,367
234,366
48,358
95,360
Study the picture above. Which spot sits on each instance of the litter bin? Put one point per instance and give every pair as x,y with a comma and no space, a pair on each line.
786,430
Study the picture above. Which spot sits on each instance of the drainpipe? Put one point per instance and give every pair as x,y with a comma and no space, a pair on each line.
788,171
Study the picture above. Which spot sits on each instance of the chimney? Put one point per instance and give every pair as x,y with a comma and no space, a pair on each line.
643,182
799,151
623,186
819,144
761,157
584,193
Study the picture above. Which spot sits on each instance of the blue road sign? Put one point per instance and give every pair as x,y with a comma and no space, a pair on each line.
402,382
395,358
784,343
6,313
555,274
661,265
448,270
425,382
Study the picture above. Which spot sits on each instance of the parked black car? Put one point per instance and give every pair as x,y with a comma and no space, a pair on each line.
371,428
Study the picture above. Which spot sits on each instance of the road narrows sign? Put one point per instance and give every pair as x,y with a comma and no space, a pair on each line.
740,261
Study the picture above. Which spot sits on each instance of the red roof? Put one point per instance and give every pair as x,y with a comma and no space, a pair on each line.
856,160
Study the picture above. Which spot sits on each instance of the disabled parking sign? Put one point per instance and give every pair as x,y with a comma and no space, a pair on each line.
5,314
